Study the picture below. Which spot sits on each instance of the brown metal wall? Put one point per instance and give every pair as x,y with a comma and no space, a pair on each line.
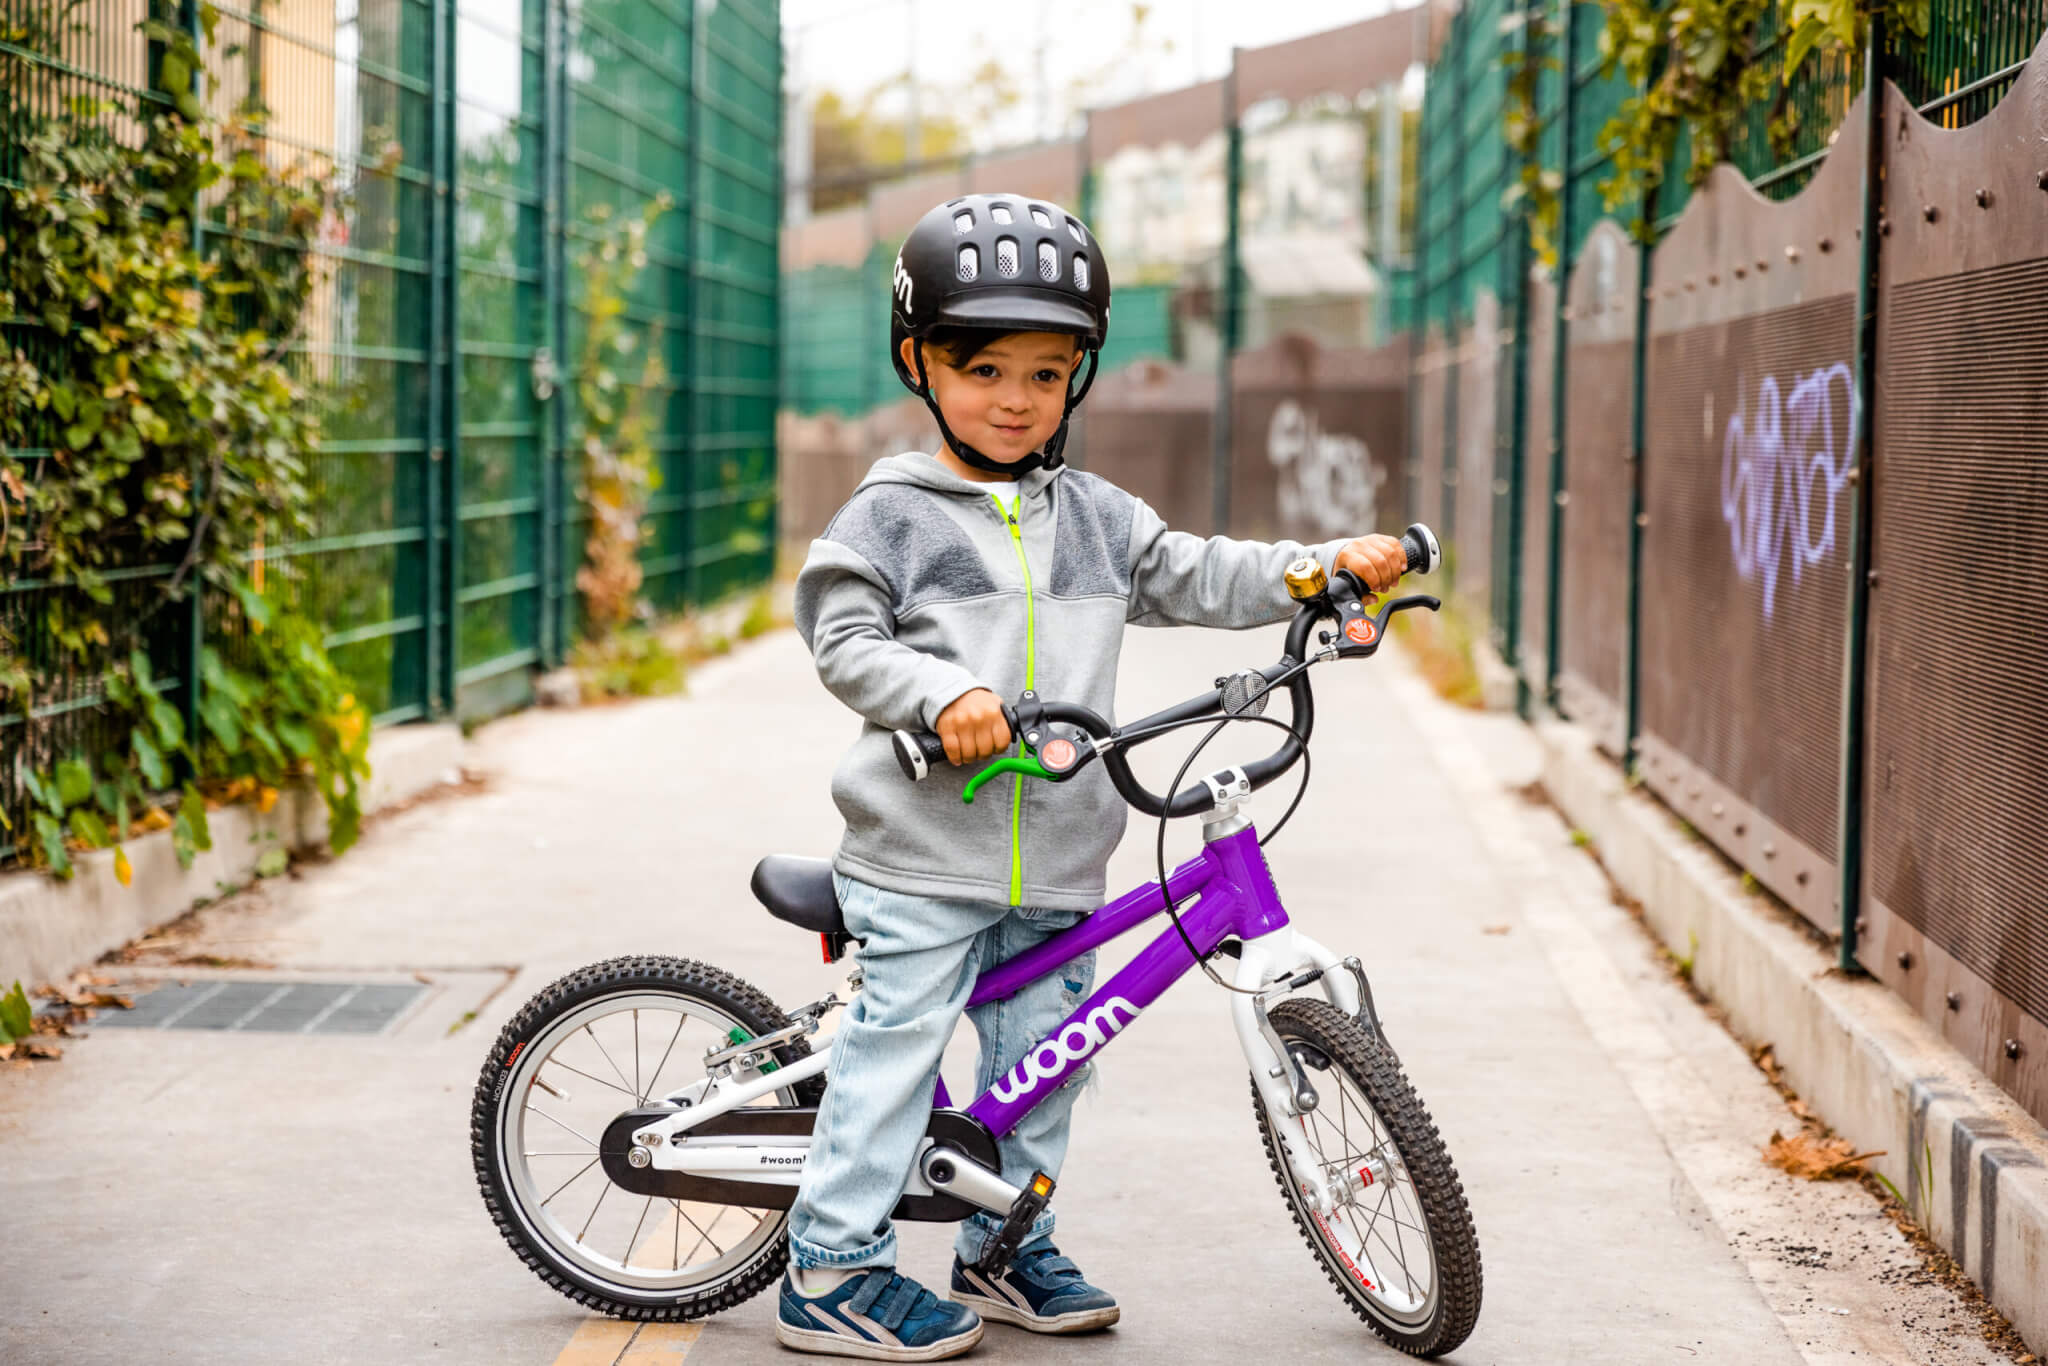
1478,438
1146,428
1538,447
1749,414
1956,839
1319,440
1600,325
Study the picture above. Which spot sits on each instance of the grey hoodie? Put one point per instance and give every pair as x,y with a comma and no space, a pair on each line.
921,589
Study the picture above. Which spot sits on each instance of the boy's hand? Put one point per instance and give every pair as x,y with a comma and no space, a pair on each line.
1378,561
972,727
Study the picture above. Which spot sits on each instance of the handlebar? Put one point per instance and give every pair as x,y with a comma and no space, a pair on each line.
1045,752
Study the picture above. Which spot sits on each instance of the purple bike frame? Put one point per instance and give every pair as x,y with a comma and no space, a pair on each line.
1236,898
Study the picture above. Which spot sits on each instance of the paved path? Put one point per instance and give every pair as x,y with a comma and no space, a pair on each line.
179,1196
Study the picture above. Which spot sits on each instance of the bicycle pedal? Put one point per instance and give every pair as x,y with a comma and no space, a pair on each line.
1024,1212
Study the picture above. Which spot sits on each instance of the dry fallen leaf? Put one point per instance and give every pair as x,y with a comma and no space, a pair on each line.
1813,1158
1495,929
124,871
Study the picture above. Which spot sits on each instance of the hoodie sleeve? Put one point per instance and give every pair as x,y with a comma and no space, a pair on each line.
1179,579
845,614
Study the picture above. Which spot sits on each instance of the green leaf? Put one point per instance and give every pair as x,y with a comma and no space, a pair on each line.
170,727
1809,32
155,771
177,74
222,718
297,737
87,825
74,781
273,862
45,794
51,834
17,1019
192,810
254,605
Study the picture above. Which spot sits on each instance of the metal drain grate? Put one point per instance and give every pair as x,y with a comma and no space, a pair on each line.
272,1007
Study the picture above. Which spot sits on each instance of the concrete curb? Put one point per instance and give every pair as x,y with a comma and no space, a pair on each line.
1973,1164
48,928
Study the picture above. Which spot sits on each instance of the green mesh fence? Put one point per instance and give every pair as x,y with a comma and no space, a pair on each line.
471,139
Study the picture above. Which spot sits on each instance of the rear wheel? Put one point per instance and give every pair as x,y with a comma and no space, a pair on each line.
1397,1240
614,1036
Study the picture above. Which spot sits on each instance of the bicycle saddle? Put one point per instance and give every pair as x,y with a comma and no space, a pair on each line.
799,890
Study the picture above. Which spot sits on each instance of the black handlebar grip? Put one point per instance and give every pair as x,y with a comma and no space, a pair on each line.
919,751
1424,555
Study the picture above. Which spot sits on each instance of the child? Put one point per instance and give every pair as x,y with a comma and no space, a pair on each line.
947,583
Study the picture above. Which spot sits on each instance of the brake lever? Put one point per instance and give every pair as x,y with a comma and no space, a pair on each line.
1053,760
1359,633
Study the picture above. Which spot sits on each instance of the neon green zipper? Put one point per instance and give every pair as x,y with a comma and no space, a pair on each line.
1030,681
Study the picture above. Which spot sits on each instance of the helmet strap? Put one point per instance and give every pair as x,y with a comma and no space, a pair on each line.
1051,457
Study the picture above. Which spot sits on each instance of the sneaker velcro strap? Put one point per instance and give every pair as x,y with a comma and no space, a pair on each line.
878,1283
1054,1266
906,1302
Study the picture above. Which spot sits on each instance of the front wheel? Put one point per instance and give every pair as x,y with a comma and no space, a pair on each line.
615,1036
1397,1240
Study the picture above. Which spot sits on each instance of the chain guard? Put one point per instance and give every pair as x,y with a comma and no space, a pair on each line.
953,1129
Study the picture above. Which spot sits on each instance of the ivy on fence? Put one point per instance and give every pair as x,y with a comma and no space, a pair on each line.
157,422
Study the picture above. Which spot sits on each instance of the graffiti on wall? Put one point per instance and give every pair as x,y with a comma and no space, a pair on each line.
1785,463
1327,480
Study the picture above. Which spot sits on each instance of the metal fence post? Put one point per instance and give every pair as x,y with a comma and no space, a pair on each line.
554,422
1637,518
1447,476
1228,305
1507,575
1567,228
441,608
1856,638
1418,315
195,600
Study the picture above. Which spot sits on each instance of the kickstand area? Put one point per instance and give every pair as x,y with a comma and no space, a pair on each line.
1017,1224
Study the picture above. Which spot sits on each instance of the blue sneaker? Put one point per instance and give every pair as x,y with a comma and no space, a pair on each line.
879,1315
1042,1291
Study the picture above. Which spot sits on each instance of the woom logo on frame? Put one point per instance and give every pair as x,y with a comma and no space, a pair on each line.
1075,1042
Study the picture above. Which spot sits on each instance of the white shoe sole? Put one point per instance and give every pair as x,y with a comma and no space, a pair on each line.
832,1344
1079,1321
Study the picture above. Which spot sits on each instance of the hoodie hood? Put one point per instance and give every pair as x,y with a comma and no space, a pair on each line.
926,471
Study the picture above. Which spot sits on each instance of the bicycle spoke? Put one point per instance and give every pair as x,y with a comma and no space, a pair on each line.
633,1243
593,1211
638,1094
536,1110
570,1182
553,1061
681,1020
608,1059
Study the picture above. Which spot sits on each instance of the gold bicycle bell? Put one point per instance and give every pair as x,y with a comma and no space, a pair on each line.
1306,579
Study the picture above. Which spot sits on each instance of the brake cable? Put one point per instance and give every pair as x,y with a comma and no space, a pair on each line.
1159,848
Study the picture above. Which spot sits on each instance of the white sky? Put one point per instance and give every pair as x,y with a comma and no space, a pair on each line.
851,45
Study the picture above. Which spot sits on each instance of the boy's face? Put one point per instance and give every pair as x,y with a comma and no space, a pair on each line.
1007,400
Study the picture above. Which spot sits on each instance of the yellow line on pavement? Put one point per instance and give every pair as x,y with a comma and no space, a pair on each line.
608,1342
661,1344
597,1343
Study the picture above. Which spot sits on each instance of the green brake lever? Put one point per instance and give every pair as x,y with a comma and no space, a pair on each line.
1010,763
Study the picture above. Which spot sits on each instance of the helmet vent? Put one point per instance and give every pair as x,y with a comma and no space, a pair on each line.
1040,216
963,221
1006,256
999,212
1081,272
969,263
1048,261
1074,231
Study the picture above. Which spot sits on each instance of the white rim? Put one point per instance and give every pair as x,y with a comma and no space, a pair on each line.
1378,1231
606,1056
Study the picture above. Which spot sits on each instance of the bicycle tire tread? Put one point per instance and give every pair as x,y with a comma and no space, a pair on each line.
1437,1185
685,976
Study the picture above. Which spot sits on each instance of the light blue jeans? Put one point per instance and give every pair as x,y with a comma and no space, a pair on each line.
920,957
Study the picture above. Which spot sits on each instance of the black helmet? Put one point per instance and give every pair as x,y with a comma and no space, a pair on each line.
999,261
